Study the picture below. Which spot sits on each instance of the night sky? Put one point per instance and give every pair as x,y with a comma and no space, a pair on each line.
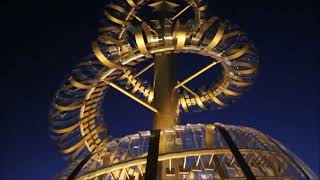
43,40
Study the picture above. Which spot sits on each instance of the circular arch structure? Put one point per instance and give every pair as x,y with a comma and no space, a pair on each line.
125,40
76,117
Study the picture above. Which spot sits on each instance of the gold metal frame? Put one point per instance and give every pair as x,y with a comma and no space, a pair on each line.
141,162
128,38
178,38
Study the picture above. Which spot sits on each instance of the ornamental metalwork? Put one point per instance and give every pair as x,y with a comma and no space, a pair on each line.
137,31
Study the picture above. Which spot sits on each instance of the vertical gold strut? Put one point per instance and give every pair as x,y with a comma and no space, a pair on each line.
165,98
166,101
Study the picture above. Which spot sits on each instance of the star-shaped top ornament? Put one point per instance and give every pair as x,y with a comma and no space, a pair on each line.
166,5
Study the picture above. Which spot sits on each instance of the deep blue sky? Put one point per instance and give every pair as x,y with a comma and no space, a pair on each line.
43,40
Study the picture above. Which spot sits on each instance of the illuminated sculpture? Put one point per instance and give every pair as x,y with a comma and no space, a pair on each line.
213,151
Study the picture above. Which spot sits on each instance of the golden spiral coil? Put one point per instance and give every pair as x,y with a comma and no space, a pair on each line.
76,116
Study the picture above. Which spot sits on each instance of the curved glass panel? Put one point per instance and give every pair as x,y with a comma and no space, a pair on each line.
197,152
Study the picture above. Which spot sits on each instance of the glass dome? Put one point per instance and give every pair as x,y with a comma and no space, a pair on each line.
200,152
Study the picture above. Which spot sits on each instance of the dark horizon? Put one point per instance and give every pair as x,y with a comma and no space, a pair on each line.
44,40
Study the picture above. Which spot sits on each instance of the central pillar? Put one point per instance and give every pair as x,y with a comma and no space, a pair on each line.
165,96
166,101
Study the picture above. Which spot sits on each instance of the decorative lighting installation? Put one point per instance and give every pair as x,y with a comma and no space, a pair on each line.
153,32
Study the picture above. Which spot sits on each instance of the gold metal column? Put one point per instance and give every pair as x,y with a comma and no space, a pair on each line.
166,99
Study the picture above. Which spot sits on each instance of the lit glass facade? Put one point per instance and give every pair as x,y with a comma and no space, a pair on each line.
201,152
